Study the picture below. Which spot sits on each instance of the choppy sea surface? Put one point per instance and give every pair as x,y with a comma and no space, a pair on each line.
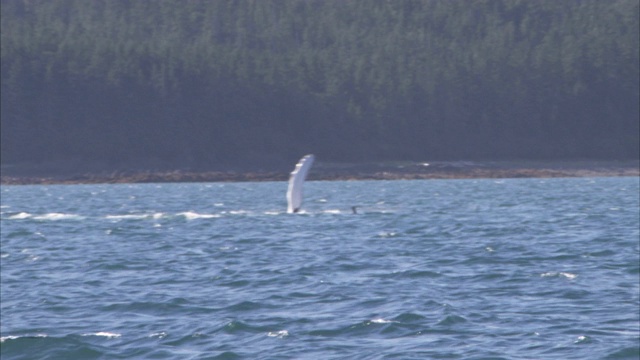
431,269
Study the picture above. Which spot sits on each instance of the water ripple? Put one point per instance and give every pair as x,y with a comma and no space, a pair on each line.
520,269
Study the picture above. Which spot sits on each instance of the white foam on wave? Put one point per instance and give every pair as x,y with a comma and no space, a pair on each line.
567,275
126,217
19,216
381,321
581,339
387,234
155,216
106,334
332,211
278,334
14,337
58,216
190,215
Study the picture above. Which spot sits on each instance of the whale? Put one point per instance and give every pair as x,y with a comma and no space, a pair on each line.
296,180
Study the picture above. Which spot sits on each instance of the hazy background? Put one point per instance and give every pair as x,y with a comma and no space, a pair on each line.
95,84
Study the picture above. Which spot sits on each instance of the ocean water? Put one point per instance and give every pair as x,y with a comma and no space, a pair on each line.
435,269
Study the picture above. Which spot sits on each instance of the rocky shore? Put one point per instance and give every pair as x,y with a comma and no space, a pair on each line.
340,171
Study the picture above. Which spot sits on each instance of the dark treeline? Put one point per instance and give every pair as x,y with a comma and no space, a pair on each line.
196,83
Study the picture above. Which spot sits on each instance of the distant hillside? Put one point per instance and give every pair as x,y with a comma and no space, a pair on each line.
205,83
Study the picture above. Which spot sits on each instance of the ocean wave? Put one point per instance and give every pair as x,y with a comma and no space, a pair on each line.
381,321
58,217
158,335
376,326
332,211
237,326
567,275
16,337
20,216
190,215
631,352
106,334
278,334
412,274
236,212
125,217
421,282
451,320
156,216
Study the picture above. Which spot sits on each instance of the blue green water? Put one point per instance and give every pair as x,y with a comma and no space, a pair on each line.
441,269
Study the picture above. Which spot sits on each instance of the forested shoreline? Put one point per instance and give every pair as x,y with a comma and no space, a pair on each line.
199,84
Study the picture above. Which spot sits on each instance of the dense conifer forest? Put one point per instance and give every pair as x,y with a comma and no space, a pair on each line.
195,83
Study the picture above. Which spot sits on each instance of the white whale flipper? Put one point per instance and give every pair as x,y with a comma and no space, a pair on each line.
298,175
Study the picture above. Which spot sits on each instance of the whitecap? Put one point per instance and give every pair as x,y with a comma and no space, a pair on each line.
190,215
58,216
14,337
159,335
582,339
568,275
126,217
29,255
387,234
10,337
106,334
332,211
20,216
381,321
278,334
560,274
